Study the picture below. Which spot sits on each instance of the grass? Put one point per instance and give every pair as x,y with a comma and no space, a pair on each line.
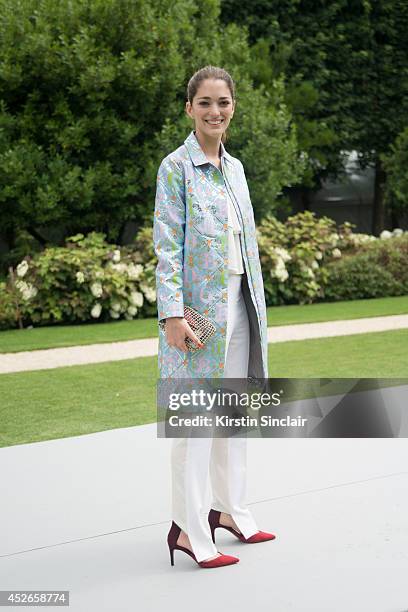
76,400
71,401
71,335
373,355
333,311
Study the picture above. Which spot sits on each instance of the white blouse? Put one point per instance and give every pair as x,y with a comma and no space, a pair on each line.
235,262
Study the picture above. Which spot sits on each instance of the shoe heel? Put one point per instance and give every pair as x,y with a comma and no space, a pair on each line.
172,539
214,520
213,534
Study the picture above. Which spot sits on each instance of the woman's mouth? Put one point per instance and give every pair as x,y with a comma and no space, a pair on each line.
216,122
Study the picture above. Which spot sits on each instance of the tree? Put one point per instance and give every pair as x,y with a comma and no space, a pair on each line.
350,59
396,167
83,87
92,96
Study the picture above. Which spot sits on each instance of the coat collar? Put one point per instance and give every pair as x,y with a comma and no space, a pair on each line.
197,155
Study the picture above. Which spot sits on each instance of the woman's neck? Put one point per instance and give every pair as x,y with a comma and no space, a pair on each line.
211,147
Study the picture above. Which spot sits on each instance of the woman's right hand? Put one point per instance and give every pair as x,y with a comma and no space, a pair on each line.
177,329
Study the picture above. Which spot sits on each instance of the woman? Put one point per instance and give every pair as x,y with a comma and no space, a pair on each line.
205,241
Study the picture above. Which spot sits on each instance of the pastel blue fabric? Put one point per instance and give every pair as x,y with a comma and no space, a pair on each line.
190,236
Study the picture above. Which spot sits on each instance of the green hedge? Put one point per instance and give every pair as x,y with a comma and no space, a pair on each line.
379,270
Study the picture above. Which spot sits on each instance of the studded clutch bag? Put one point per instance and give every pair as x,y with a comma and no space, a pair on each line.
202,327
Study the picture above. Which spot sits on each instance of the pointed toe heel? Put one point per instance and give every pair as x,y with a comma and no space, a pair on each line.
219,561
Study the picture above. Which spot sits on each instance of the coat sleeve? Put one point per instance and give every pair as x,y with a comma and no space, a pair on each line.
168,239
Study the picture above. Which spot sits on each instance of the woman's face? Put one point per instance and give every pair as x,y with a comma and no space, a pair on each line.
212,108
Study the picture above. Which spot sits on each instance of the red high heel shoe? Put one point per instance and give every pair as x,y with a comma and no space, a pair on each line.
214,520
172,542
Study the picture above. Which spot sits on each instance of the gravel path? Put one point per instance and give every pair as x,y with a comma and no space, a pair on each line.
131,349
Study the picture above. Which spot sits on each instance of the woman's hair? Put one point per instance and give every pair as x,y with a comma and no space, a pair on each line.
210,72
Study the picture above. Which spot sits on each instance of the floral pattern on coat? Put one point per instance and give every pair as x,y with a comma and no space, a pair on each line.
191,245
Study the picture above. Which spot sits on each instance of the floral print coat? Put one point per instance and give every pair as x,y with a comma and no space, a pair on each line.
190,242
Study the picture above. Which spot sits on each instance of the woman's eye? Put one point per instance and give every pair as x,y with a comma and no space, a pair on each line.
224,103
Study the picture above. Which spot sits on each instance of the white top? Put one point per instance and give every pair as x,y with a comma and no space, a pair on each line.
235,262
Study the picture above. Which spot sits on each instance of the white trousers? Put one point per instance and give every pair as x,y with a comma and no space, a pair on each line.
223,459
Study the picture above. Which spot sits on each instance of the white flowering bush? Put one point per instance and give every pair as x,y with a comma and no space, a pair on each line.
307,259
354,241
86,280
293,255
27,290
22,268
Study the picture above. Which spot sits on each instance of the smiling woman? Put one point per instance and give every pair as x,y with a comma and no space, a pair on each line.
206,245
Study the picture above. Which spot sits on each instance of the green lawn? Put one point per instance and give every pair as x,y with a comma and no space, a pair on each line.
71,335
70,401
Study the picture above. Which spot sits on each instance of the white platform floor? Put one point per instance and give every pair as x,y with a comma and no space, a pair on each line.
90,514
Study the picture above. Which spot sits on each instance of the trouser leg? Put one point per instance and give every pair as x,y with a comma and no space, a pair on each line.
229,455
189,461
225,458
228,482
